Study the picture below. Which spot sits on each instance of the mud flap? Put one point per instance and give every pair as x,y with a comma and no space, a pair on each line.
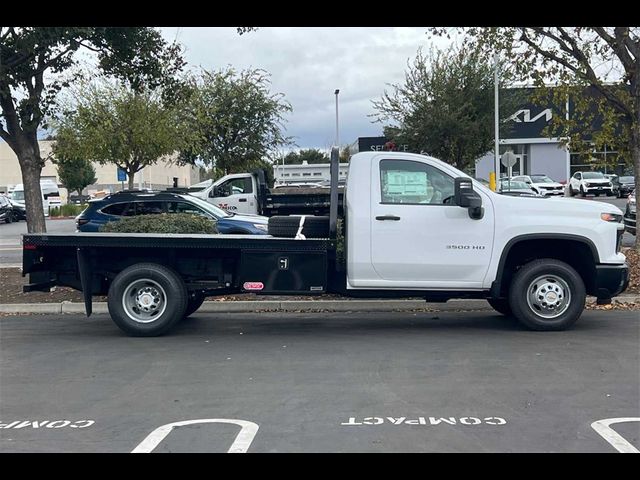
84,268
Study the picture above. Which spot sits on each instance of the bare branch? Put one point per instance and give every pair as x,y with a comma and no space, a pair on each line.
616,44
622,34
583,61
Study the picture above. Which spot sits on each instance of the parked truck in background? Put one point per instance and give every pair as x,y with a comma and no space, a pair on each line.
413,226
248,193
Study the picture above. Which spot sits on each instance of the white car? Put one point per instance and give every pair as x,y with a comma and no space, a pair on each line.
515,187
542,184
590,182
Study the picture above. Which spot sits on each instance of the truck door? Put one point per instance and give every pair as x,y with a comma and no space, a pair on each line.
236,195
419,237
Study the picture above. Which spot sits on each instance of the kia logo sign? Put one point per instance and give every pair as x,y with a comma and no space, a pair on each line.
253,285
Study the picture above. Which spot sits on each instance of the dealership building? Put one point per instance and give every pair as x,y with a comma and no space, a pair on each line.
534,152
158,176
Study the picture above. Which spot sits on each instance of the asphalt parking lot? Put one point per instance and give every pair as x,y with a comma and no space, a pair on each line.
320,382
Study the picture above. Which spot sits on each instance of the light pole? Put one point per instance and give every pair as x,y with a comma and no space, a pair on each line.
337,133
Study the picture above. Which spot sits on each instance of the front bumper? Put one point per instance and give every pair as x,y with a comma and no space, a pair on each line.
548,193
611,280
598,189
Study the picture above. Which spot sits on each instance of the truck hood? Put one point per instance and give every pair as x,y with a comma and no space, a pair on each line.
556,206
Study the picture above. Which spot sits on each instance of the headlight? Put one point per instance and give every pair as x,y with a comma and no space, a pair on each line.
611,217
261,226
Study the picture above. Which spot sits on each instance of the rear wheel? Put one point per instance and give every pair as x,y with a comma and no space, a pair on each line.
571,192
147,299
547,294
500,305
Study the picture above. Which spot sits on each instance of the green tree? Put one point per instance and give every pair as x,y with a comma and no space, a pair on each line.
75,172
234,119
32,63
345,154
112,123
309,155
605,59
445,107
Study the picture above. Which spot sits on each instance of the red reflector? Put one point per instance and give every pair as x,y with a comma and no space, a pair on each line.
253,285
29,246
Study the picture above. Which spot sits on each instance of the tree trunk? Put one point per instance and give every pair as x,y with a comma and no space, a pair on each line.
31,169
130,178
635,155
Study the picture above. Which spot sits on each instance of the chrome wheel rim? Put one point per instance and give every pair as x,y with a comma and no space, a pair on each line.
548,296
144,300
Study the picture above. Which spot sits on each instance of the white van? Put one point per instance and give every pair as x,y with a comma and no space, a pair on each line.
17,195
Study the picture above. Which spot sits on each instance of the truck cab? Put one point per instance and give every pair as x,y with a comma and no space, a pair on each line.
236,193
409,228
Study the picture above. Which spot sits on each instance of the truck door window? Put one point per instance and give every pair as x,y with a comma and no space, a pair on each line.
409,182
235,186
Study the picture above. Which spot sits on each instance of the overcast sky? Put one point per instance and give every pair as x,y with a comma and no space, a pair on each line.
308,64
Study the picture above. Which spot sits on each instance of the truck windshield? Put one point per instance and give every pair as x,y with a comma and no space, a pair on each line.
17,195
207,207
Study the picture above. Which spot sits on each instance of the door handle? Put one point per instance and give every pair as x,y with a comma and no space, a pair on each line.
388,217
242,199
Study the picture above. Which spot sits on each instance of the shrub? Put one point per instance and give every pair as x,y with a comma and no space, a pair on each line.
68,210
162,223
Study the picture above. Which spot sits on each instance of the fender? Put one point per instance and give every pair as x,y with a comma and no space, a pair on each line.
496,285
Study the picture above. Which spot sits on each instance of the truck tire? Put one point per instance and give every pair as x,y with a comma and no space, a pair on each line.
147,299
194,302
287,227
547,294
500,305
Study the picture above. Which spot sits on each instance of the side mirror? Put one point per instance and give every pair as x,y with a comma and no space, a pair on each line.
466,197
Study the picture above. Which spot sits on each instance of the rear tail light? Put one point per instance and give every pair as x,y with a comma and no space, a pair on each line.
82,221
29,246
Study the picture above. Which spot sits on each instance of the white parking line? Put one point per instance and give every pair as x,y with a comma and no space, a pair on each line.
240,445
614,438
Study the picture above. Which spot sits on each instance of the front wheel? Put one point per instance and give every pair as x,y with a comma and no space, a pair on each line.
147,299
547,294
582,192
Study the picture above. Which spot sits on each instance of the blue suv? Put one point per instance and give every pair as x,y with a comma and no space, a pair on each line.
131,203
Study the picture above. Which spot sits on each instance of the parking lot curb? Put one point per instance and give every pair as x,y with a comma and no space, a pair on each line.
289,306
